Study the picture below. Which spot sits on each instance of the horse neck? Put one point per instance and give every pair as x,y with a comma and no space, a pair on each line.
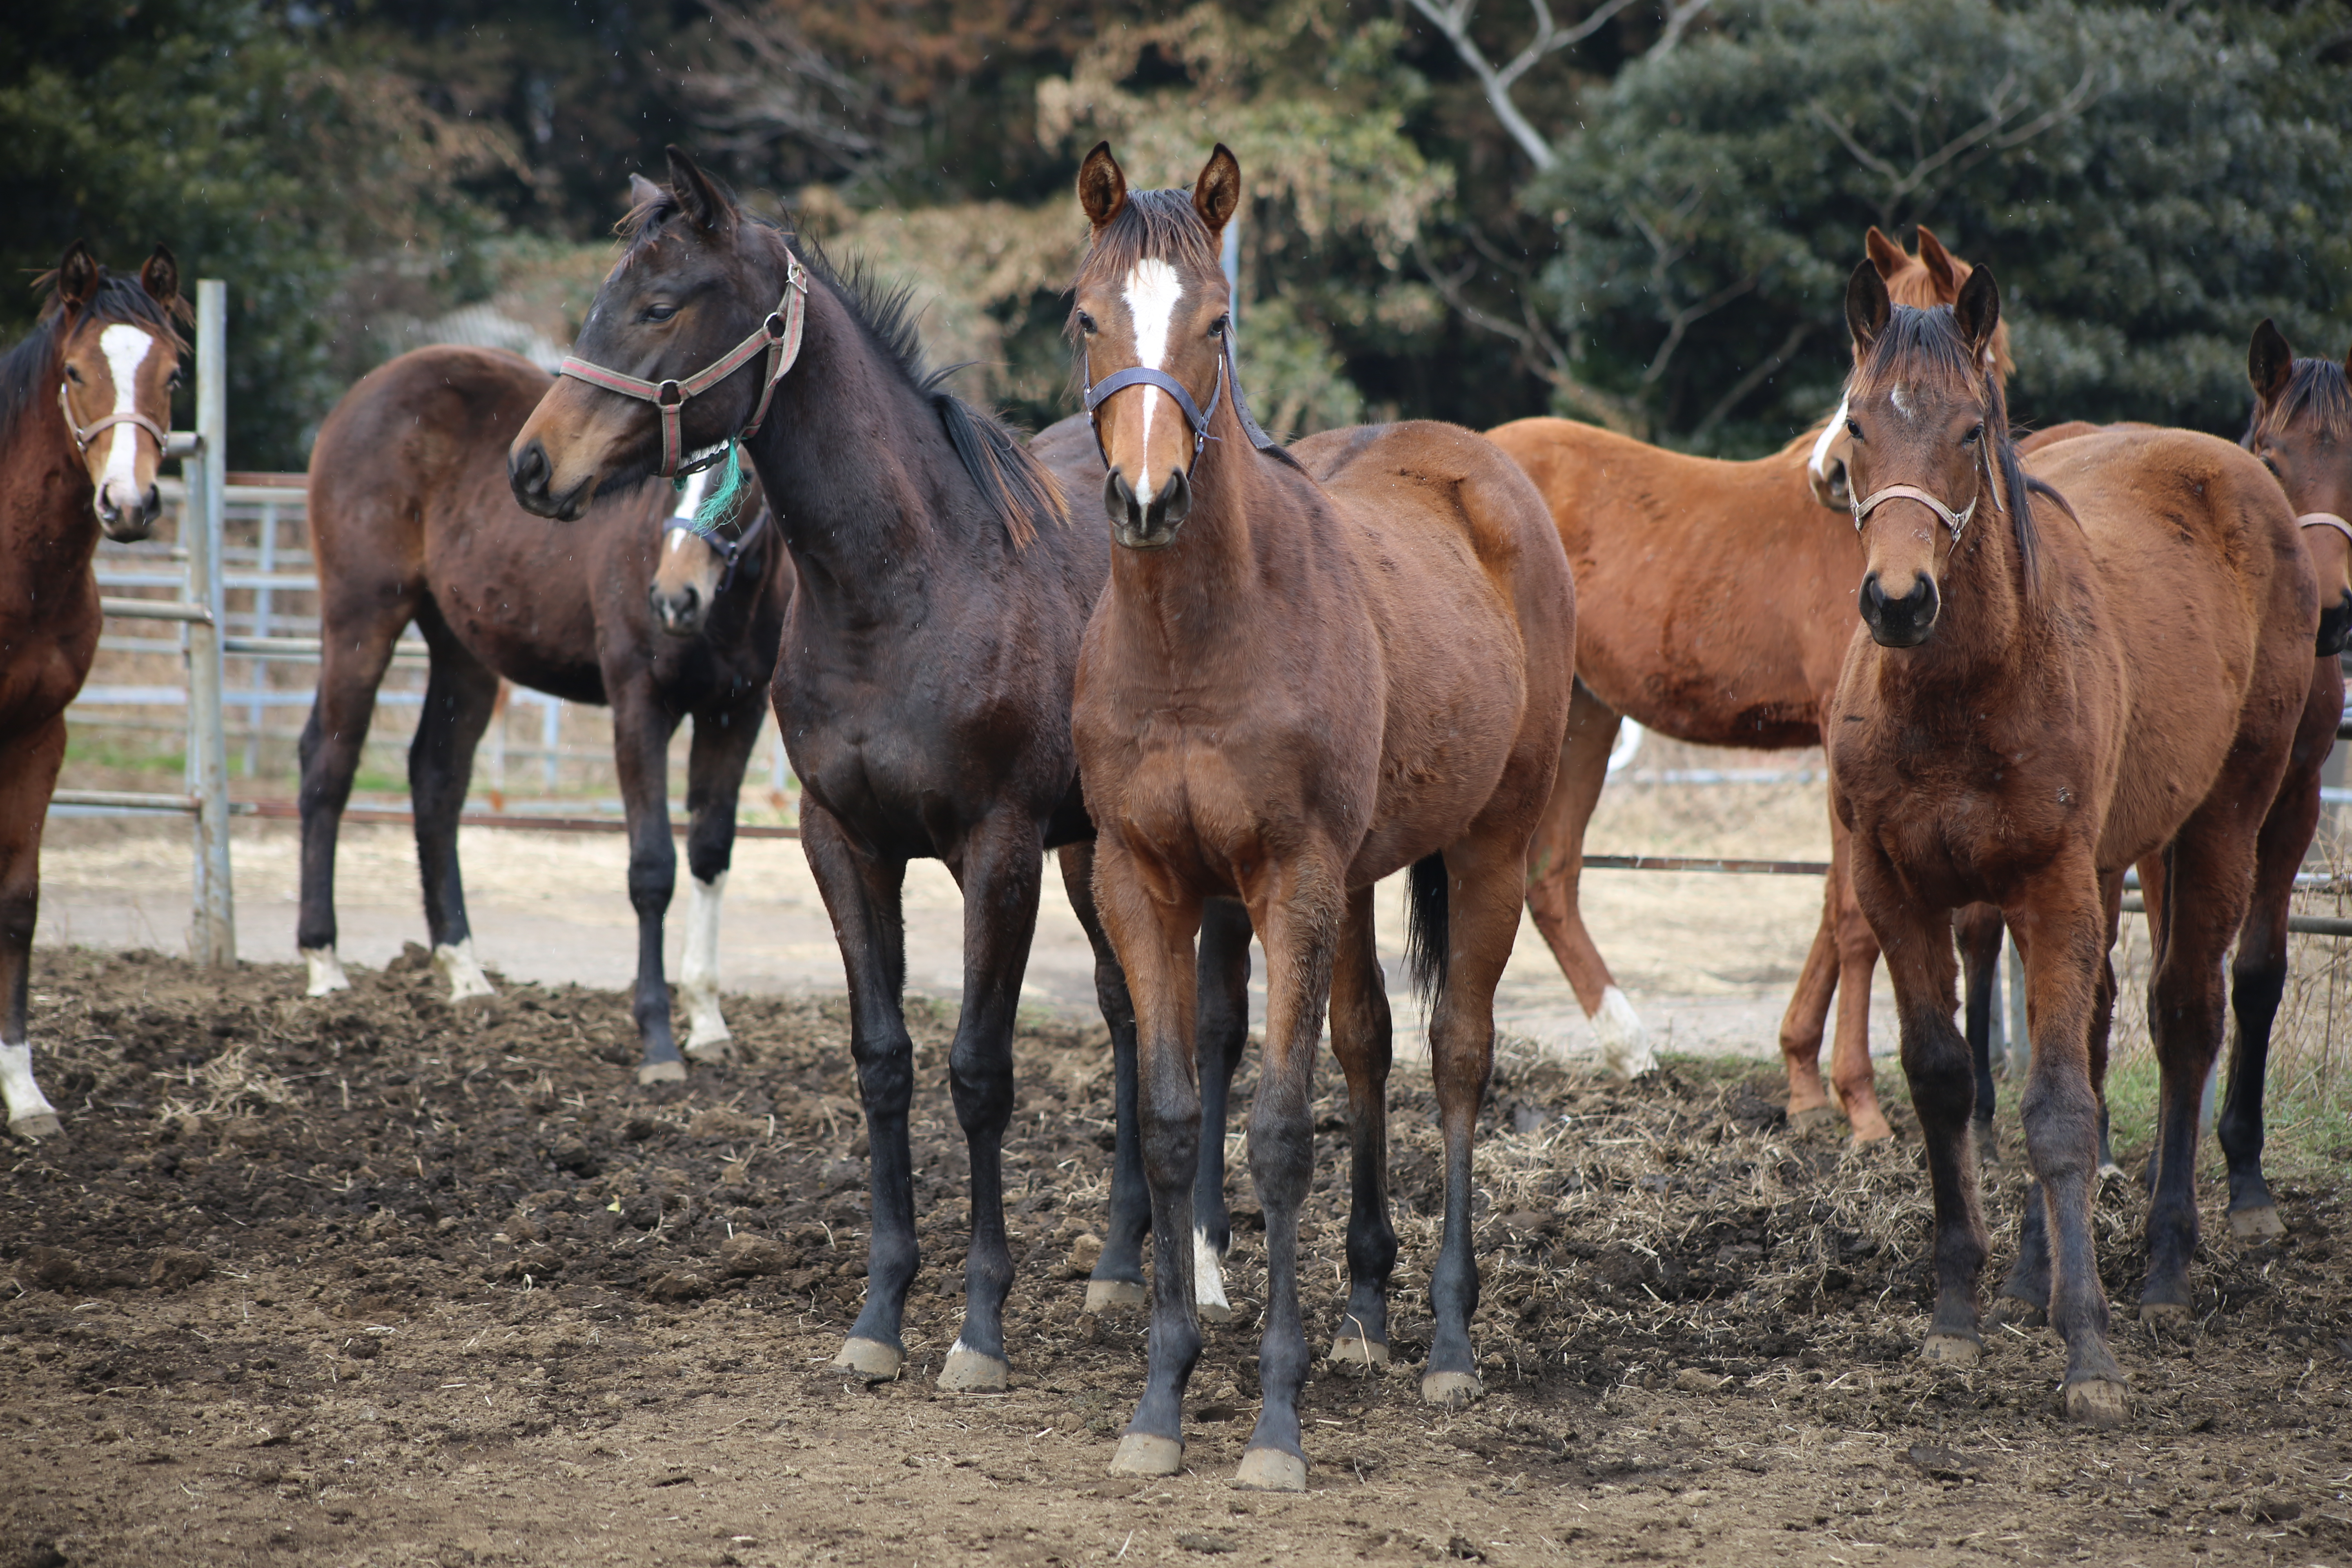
1211,578
1985,626
45,497
853,462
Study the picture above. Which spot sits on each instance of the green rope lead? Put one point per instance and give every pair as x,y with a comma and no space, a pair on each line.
720,503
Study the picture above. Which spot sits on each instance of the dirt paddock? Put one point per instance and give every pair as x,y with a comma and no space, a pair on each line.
373,1281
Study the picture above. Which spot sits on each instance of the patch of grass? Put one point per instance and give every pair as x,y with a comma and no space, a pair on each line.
124,752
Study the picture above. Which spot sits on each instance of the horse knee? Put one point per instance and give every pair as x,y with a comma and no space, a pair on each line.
653,881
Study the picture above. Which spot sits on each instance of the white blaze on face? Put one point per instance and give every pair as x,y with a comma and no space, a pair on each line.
126,348
1153,290
1820,462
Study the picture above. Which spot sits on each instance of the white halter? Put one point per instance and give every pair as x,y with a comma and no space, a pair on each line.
1955,520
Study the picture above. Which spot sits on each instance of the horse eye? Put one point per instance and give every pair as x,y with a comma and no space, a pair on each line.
1854,429
1217,328
1085,324
2273,467
660,312
73,373
1976,431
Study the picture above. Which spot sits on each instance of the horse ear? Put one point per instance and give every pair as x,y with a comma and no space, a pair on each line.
1102,186
161,276
697,193
1866,305
1219,189
1886,255
77,276
1977,312
2269,362
1939,263
641,191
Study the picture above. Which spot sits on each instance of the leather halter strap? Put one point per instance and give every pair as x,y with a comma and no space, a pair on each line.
731,551
1955,520
2326,519
83,435
1098,393
779,337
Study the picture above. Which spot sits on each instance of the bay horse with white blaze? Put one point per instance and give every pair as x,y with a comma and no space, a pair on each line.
85,403
1311,668
1716,606
923,681
411,520
2039,705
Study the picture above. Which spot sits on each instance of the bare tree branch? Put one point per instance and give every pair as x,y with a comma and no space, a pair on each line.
1452,17
1755,378
1544,353
788,90
1992,133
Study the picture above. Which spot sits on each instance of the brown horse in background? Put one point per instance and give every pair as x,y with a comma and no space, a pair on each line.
1311,668
84,402
1677,632
2041,704
412,519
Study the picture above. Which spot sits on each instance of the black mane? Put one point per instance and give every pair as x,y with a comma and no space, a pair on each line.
30,370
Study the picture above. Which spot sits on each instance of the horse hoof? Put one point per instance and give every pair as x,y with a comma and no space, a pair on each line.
1111,1295
2110,1171
719,1052
661,1072
870,1359
1355,1350
1813,1119
1451,1388
1872,1128
2262,1224
2015,1311
2097,1402
1271,1470
1141,1456
1214,1311
1952,1350
2168,1317
34,1128
969,1372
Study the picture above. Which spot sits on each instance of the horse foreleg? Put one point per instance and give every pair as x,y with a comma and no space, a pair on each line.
356,644
1220,1037
1117,1277
861,895
1362,1040
28,774
999,870
642,727
1807,1019
459,694
1154,940
714,784
1979,929
1555,870
1857,947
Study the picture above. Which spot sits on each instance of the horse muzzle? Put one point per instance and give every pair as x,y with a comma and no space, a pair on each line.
679,612
1899,623
531,477
2336,625
1139,524
128,520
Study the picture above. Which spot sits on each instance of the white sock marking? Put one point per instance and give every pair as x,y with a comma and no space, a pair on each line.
1208,1278
126,348
1153,290
699,974
326,971
1624,1038
457,965
1819,463
16,1086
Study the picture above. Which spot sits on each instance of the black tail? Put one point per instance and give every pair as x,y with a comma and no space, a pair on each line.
1426,941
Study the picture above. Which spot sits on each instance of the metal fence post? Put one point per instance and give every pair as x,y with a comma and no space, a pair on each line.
212,937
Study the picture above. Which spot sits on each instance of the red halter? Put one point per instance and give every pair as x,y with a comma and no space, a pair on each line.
779,336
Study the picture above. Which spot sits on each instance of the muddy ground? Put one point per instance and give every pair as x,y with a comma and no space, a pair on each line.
373,1281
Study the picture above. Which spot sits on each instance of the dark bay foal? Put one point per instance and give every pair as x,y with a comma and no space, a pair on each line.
923,682
411,520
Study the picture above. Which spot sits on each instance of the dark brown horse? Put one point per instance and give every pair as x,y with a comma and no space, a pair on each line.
923,684
84,402
2041,703
411,520
1311,668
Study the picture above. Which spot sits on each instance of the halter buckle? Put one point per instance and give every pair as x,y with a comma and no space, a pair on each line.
669,394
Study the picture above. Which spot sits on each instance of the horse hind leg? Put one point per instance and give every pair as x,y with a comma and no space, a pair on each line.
28,774
1362,1040
357,641
1979,929
721,750
1555,866
460,694
1221,1035
1117,1281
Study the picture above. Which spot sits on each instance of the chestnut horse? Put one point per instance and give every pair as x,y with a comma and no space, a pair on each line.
1311,668
84,402
411,520
923,683
2039,705
1680,633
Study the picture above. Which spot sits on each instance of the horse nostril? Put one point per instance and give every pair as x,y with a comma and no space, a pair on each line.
1176,500
530,469
1119,498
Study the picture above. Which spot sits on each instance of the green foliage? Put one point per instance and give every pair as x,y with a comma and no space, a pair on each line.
2145,187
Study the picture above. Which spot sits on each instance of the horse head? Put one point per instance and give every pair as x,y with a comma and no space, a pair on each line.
653,376
1928,425
1931,277
119,348
2301,430
1152,317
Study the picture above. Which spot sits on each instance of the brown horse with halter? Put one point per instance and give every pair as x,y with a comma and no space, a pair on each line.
85,403
2064,674
1677,634
923,681
1311,668
411,521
